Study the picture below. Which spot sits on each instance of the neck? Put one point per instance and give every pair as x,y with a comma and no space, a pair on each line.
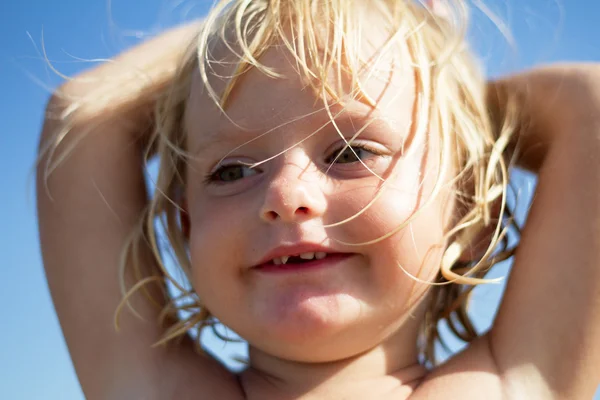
386,369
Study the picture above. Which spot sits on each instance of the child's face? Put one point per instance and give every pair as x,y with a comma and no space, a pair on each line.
239,216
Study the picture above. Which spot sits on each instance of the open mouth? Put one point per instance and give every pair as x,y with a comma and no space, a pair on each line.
298,259
303,261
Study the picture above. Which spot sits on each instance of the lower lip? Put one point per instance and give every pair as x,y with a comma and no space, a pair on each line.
329,261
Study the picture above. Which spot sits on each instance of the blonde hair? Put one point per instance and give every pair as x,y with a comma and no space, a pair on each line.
451,92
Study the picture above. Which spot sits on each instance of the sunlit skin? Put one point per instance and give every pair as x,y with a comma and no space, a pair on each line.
345,330
237,215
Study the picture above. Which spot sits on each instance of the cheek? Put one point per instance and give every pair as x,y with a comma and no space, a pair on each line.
215,271
215,225
378,208
413,252
418,241
208,238
213,235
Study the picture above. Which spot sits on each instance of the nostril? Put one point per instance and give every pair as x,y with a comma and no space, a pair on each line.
300,214
272,215
302,210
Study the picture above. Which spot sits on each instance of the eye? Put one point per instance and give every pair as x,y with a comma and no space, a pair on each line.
231,173
351,154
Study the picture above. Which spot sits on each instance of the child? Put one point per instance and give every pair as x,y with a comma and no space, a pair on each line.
331,181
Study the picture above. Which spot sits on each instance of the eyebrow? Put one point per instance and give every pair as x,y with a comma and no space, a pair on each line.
236,134
239,137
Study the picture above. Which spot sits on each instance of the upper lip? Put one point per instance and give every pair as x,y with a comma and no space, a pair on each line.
294,250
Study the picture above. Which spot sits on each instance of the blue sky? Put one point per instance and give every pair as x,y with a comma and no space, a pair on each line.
34,363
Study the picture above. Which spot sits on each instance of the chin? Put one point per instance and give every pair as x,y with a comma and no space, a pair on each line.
314,330
314,344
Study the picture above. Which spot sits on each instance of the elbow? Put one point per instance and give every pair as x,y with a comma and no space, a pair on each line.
54,128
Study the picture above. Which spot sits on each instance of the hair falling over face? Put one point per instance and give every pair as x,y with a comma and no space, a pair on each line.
324,39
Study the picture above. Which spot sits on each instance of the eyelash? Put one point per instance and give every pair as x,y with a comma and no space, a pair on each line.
335,155
213,177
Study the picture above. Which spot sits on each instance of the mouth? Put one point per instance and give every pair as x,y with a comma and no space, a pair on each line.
299,258
302,261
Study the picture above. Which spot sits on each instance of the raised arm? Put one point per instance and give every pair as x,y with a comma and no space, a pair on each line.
546,338
87,207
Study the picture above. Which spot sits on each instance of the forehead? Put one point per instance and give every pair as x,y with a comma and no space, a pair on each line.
260,103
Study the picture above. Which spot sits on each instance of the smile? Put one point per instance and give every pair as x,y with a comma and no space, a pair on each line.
303,262
299,258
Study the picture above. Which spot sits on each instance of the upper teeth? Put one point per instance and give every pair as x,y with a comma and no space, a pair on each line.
305,256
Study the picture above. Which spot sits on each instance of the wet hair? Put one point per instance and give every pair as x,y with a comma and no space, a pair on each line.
323,39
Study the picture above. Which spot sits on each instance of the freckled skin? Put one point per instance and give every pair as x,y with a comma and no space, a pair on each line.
553,287
335,312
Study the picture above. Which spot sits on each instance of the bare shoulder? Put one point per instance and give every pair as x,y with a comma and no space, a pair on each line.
475,374
471,374
189,375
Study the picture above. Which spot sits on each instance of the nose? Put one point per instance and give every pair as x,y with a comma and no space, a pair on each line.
293,195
